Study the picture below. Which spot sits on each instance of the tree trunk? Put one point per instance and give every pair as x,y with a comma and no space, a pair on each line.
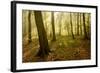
77,23
80,25
89,23
68,28
29,27
84,26
60,23
71,25
59,29
44,47
53,27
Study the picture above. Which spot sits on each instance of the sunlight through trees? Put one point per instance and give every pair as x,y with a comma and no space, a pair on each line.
52,35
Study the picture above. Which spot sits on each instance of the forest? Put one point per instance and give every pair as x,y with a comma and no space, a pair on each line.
55,36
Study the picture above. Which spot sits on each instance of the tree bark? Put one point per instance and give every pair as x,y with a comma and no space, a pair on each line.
84,26
77,23
80,25
44,47
53,26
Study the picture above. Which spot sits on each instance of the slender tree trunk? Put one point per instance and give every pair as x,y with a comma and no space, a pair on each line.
88,28
59,29
77,23
53,27
84,26
68,29
29,27
71,25
60,23
80,25
44,47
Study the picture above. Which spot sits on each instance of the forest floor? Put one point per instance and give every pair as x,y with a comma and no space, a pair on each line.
64,48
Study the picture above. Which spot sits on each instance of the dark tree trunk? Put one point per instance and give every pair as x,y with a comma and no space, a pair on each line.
53,27
29,28
44,47
77,23
59,29
84,26
71,25
80,24
89,23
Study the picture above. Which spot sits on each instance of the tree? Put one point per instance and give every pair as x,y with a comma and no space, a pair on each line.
53,26
44,47
89,26
71,25
29,27
60,23
77,23
84,27
80,25
67,27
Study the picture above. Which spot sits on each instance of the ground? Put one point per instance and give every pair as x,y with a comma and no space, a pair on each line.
64,48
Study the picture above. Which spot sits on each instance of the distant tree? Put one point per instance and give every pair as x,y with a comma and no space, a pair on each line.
77,23
60,23
53,26
44,47
80,24
84,26
67,27
29,27
71,25
89,26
